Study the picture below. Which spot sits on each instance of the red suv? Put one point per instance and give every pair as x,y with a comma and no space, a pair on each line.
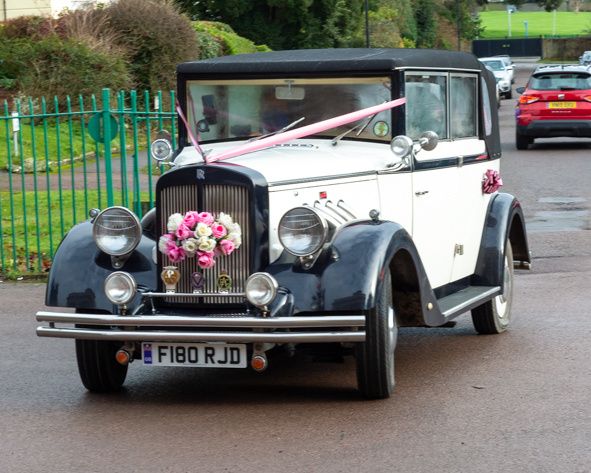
555,102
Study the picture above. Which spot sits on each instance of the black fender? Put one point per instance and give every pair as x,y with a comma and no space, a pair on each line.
504,220
349,273
79,269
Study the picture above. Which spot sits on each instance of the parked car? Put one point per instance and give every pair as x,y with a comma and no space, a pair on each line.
497,66
508,64
555,102
585,58
309,205
497,89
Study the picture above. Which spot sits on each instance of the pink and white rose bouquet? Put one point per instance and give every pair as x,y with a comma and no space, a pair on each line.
200,235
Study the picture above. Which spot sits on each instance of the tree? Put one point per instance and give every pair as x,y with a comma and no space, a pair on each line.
284,24
550,5
425,21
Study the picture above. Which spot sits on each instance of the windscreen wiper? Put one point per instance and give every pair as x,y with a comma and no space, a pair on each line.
285,128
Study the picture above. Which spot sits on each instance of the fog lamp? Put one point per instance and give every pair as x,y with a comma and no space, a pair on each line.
120,287
261,289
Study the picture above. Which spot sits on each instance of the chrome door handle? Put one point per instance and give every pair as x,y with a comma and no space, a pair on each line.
421,192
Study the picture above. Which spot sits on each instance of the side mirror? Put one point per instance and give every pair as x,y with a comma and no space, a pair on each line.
520,90
428,140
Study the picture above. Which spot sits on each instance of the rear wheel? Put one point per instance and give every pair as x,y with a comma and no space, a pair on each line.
522,141
375,357
99,370
494,316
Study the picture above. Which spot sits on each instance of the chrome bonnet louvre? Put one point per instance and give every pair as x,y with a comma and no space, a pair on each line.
232,200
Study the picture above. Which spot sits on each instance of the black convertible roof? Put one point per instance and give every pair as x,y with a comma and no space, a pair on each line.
331,61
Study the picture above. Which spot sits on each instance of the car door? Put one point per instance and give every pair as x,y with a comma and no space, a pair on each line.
434,175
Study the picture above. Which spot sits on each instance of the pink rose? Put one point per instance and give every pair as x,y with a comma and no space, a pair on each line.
227,246
176,253
191,219
183,232
205,259
218,230
206,218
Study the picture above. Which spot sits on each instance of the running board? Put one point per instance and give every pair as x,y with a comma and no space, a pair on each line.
466,299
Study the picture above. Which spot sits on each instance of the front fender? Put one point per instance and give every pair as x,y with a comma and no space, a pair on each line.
79,269
347,275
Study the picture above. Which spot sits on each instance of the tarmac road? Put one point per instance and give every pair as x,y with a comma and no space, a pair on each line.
517,402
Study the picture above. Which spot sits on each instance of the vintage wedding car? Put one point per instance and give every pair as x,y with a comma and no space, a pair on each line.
317,199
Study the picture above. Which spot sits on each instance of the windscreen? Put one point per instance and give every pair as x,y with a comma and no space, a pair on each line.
223,110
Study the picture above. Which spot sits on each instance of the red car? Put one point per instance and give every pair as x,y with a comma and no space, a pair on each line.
556,102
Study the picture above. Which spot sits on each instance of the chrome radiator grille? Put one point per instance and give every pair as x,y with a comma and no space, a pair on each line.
232,200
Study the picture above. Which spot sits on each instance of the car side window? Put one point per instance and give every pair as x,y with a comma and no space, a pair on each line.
426,104
463,98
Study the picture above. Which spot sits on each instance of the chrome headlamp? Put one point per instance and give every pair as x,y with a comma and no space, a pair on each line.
120,288
161,149
116,231
261,289
302,231
401,146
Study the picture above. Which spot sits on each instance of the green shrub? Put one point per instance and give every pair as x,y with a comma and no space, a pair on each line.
228,42
156,38
54,66
31,27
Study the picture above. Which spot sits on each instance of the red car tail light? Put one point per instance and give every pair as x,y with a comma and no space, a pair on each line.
527,99
587,98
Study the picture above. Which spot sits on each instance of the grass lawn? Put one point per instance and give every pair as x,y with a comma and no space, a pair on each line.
539,24
28,244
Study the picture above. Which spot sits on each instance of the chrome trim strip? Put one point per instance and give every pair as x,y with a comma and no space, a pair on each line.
194,294
249,337
308,180
493,291
419,69
182,321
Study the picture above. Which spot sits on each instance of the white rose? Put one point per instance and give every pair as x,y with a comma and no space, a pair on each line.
202,230
190,246
163,243
225,220
234,228
236,238
173,222
206,244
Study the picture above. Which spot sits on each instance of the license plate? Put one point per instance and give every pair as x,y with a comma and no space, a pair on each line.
562,105
198,355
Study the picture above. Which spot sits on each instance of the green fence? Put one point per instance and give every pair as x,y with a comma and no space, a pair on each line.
59,159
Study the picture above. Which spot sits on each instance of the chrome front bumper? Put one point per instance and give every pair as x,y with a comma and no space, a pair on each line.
237,328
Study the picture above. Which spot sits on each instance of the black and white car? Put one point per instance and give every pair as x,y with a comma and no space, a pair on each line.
318,198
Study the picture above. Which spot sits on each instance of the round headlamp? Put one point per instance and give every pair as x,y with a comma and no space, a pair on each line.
116,231
120,287
161,149
401,146
302,231
261,289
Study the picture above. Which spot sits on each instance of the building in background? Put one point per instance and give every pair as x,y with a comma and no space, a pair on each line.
15,8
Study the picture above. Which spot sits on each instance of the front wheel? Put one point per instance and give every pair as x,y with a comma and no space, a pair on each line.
375,356
494,316
99,370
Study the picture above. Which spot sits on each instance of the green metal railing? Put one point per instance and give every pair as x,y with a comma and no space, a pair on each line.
59,159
